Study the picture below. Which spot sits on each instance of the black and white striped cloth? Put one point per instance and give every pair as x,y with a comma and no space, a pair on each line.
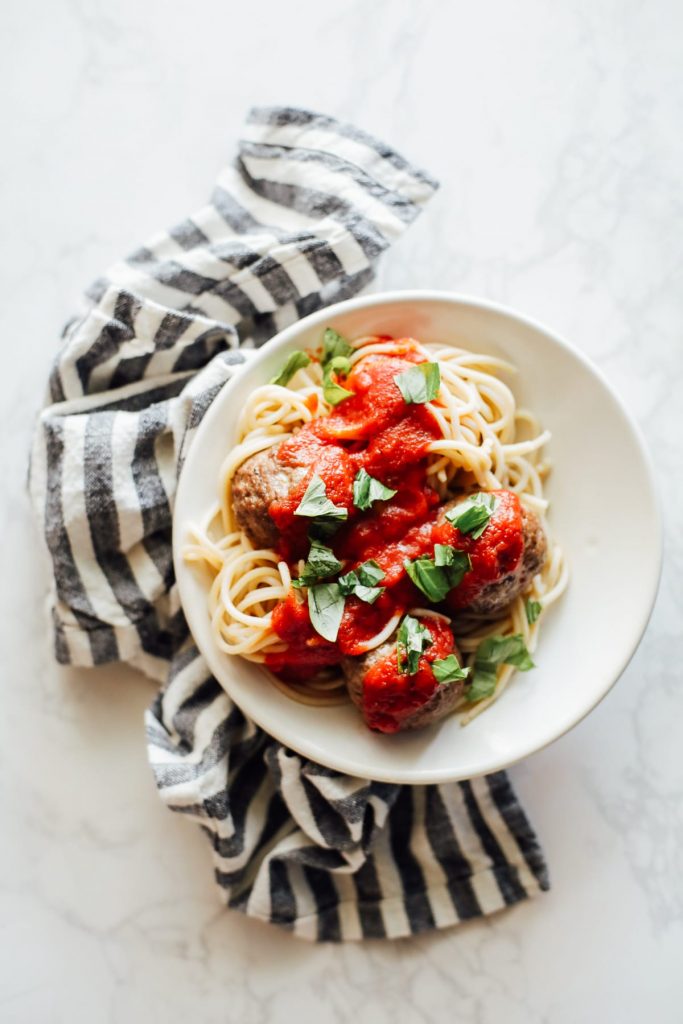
298,222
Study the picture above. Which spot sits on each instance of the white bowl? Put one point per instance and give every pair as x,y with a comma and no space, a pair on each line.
604,512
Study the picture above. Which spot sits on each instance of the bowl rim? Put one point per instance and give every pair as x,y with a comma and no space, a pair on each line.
424,776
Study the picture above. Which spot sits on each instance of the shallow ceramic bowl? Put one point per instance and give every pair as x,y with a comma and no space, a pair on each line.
604,511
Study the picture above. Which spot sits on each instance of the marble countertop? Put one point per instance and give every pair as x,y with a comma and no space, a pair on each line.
555,130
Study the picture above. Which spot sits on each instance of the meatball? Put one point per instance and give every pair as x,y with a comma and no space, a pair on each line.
493,597
406,705
261,479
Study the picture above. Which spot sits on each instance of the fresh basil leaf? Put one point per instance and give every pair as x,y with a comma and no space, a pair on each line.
366,490
508,650
321,562
368,594
446,555
412,640
340,365
361,582
435,577
348,583
458,564
334,345
315,502
369,573
326,608
295,361
420,383
429,578
333,392
494,651
472,515
448,670
483,683
322,528
533,610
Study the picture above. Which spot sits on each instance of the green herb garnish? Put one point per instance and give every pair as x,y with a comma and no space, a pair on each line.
483,683
327,517
335,360
447,555
362,582
420,383
533,610
412,640
448,670
295,361
473,514
320,564
366,490
334,345
316,503
326,608
323,529
436,576
333,391
492,652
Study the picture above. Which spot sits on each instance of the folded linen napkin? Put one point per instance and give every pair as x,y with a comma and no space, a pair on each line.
297,223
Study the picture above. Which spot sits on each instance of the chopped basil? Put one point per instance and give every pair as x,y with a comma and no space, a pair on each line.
367,594
494,651
361,582
295,361
508,650
370,573
366,490
315,503
321,562
412,640
445,554
533,610
473,514
483,683
428,577
326,608
448,670
334,345
420,383
435,577
323,528
333,392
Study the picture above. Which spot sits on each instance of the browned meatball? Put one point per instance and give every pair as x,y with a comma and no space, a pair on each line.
535,548
494,597
441,702
261,479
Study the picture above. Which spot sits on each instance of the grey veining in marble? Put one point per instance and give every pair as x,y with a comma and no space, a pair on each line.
555,130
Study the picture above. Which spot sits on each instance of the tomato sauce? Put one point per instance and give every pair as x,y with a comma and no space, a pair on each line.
495,555
378,431
307,652
391,696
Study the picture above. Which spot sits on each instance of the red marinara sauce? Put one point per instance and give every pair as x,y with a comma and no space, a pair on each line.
307,652
391,696
378,431
374,430
495,555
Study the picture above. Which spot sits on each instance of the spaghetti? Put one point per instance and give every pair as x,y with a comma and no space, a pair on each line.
483,442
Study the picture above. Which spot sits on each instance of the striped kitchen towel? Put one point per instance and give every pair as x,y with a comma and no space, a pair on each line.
298,222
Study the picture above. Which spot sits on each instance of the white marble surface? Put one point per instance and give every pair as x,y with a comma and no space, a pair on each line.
555,129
